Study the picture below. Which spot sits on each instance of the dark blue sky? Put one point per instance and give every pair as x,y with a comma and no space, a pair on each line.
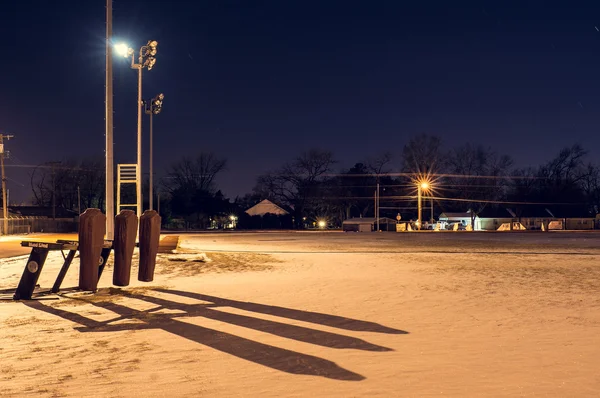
260,81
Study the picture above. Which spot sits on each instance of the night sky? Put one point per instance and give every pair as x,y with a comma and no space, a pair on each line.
260,81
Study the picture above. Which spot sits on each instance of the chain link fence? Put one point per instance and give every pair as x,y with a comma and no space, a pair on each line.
27,225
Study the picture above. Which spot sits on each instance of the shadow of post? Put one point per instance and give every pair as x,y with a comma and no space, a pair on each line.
306,316
267,355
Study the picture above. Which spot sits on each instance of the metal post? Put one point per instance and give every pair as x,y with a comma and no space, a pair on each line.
419,206
158,203
4,200
78,200
110,178
150,165
139,144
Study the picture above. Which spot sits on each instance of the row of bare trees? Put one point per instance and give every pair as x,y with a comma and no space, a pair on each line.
467,177
69,184
314,186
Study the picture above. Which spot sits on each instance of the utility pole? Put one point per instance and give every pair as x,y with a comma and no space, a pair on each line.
53,164
4,192
78,200
375,209
419,207
108,102
431,221
377,204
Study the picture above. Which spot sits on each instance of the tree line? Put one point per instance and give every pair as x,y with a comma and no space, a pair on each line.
312,186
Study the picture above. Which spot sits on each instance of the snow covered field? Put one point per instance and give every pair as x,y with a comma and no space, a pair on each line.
320,314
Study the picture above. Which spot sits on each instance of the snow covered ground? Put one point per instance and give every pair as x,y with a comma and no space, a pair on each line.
320,314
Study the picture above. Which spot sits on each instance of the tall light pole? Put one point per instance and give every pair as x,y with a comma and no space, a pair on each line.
146,59
153,108
421,186
108,118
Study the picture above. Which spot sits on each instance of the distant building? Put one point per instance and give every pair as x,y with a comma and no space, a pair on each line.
368,224
492,217
451,218
266,207
532,217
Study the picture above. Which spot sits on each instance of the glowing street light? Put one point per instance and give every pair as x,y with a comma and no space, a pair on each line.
146,59
123,50
422,185
322,224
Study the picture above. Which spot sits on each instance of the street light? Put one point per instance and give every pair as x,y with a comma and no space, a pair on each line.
146,59
153,108
422,185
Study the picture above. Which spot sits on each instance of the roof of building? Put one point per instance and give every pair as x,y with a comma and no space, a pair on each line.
536,211
266,207
455,215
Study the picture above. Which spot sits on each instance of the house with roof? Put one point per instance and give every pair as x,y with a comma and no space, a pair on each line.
492,217
534,217
446,218
368,224
266,207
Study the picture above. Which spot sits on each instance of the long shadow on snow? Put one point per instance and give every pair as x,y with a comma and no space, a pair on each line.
274,357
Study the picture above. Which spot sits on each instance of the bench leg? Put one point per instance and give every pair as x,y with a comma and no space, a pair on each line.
31,274
103,259
63,271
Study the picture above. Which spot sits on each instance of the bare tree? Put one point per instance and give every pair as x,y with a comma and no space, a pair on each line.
66,180
422,155
300,183
197,173
480,176
379,165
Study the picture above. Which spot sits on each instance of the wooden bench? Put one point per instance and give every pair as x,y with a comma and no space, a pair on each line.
168,244
37,259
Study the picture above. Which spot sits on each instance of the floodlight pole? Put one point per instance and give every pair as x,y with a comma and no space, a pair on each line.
151,183
139,143
110,179
153,108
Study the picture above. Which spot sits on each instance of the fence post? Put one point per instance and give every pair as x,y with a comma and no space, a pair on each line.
149,239
91,240
126,225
